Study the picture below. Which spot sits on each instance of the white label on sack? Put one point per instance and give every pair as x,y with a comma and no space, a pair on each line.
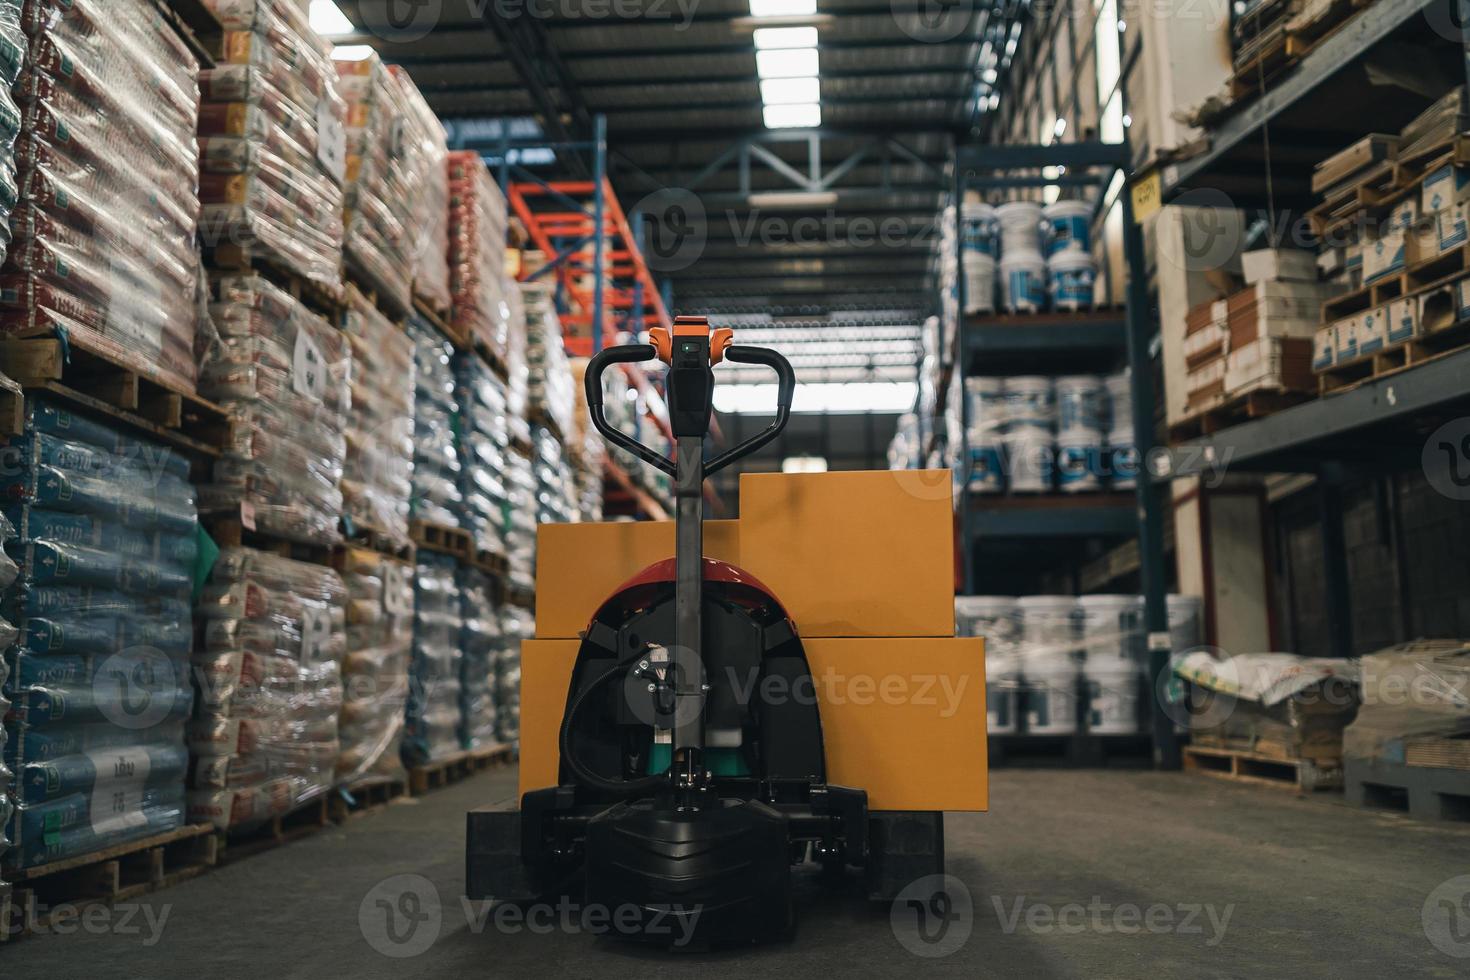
397,591
1161,641
309,368
247,515
331,141
316,632
117,793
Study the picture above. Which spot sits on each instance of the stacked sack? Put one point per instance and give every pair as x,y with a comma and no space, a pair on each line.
107,165
385,179
516,625
477,229
426,148
264,738
375,670
484,441
284,374
272,141
432,727
480,647
549,373
436,462
377,476
105,537
520,519
13,44
586,448
556,487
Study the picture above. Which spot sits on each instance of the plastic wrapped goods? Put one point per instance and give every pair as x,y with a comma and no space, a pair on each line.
273,141
375,670
97,574
477,229
556,488
264,738
107,179
484,440
426,152
13,44
377,478
520,519
436,462
549,373
516,625
1415,697
432,729
480,643
386,189
285,376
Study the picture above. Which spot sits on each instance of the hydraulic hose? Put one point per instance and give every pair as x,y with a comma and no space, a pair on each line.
587,777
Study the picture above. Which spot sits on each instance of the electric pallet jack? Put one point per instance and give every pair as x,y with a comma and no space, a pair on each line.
683,792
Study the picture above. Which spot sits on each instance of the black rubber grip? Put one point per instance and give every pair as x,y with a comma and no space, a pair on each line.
624,354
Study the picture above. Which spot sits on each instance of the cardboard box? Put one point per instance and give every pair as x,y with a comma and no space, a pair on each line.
1279,265
1462,302
1444,187
1206,381
1324,347
1278,363
1277,309
1421,240
1403,214
1384,256
1453,225
1205,345
1441,307
1402,321
1373,329
1353,160
902,717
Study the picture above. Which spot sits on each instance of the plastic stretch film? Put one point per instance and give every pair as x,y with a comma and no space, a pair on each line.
375,683
434,711
477,236
436,462
377,480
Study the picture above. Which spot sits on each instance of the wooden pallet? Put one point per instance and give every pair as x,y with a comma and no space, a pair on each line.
93,372
451,769
1393,360
1286,42
230,529
491,356
366,795
491,563
426,306
325,299
453,541
1438,753
1419,275
301,822
441,323
123,872
374,539
1421,792
1271,748
1264,770
519,596
381,299
1230,410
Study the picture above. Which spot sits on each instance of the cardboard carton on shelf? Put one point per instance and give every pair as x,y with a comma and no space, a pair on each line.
1279,265
1278,363
1324,347
1402,321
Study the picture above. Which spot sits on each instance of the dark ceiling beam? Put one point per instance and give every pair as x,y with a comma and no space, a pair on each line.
525,42
668,81
742,47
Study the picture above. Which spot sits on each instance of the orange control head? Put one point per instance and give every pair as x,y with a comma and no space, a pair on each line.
691,326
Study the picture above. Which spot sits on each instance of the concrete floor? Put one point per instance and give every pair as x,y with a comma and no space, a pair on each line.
1074,874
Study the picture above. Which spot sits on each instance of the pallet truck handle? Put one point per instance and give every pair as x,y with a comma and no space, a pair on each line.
624,354
785,394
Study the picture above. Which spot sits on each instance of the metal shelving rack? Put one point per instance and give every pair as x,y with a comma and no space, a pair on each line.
1094,341
1380,426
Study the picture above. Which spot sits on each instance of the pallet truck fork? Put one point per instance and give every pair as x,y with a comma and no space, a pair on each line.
692,773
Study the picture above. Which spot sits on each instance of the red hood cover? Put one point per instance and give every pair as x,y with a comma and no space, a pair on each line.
746,587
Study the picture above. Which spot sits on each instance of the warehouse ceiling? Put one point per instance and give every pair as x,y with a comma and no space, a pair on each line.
829,224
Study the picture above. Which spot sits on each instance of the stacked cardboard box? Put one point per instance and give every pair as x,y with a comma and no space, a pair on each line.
272,141
108,183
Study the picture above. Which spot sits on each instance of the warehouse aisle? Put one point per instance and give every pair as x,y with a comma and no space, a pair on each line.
1076,874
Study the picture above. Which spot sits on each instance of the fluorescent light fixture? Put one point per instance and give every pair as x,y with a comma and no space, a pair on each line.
785,37
782,8
328,20
807,115
792,199
352,52
786,63
789,91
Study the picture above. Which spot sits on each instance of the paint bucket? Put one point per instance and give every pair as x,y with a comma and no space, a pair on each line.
1047,627
1029,459
1109,626
1120,401
1073,276
978,228
1112,696
1122,459
1051,696
990,616
987,467
1023,281
979,282
985,408
1002,694
1082,402
1020,228
1079,461
1068,226
1030,402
